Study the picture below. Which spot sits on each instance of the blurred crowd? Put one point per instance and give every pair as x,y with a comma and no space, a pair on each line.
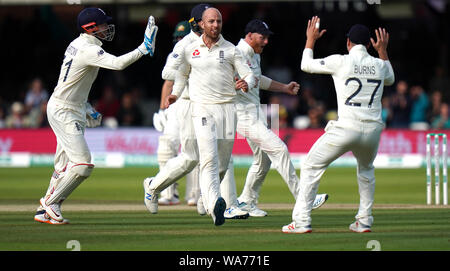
406,105
418,49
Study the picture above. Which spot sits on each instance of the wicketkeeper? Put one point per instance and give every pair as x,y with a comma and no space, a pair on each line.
68,111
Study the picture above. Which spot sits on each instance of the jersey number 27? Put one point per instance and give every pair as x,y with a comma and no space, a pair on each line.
357,80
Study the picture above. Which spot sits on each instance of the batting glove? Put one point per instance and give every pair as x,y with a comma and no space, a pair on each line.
148,46
159,120
93,118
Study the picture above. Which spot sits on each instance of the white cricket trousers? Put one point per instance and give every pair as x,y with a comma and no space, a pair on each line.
267,149
215,126
177,167
68,122
359,137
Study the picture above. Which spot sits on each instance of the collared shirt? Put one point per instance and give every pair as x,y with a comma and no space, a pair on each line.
82,60
254,62
358,78
210,72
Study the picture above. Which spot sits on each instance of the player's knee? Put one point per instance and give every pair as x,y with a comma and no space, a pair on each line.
83,170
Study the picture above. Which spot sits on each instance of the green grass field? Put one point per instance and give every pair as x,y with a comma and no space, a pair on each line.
402,221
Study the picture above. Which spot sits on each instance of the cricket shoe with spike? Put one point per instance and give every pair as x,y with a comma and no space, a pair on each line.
359,227
150,197
319,201
42,217
53,210
293,228
235,212
218,211
252,209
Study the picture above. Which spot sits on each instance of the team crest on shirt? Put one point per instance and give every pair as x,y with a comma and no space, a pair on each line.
101,52
175,55
322,62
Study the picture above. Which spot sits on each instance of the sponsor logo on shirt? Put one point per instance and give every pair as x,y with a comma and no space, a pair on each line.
196,54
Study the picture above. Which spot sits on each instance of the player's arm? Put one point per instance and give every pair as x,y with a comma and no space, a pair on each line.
326,65
96,56
247,78
272,85
381,47
180,83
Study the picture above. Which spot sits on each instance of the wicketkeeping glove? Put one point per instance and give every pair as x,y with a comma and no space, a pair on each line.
159,120
93,118
148,46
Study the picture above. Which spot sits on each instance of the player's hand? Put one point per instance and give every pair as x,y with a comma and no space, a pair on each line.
241,84
382,42
313,31
292,88
93,118
170,100
148,46
160,120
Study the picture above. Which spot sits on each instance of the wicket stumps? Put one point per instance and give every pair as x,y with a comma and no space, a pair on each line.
437,162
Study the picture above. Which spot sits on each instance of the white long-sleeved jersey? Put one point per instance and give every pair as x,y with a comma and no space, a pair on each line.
82,60
174,60
254,62
358,78
210,72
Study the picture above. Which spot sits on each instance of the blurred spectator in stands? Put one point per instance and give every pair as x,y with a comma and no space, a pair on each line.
108,104
440,81
276,111
38,116
3,113
400,106
17,119
386,113
36,95
441,121
419,108
435,109
306,100
129,113
316,116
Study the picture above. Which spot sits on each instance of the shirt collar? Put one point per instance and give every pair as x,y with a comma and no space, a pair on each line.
359,48
91,39
246,48
218,43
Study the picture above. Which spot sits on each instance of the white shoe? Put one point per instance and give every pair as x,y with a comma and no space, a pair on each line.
53,210
172,201
191,202
43,217
293,228
218,211
235,213
200,207
359,227
150,198
319,200
252,209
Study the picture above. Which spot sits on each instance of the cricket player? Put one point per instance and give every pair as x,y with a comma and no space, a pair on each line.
167,122
68,111
209,67
359,79
267,147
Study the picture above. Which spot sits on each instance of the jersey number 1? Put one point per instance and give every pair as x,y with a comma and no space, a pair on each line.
68,64
348,101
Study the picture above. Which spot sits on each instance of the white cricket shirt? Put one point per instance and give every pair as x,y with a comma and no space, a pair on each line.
254,62
358,78
82,60
210,72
